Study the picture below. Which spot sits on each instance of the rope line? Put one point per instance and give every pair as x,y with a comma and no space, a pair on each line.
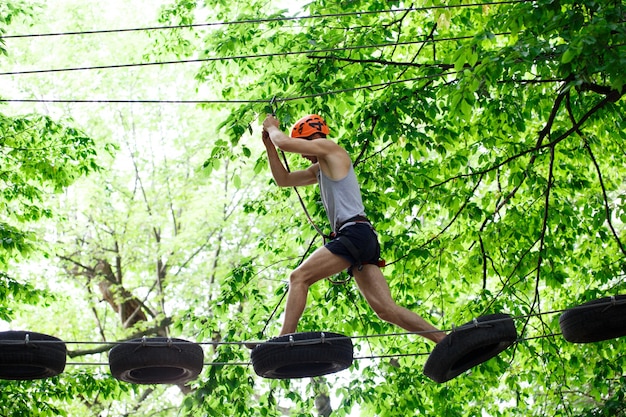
370,357
220,101
426,40
147,342
204,364
262,20
147,101
236,102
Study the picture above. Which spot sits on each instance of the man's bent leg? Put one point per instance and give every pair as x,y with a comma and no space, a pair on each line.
321,264
375,289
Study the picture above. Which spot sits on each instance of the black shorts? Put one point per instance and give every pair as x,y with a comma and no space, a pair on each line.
365,240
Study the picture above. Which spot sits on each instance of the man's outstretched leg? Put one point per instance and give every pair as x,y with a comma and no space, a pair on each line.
375,289
321,264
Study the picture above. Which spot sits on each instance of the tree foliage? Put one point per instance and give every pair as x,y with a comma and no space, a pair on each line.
489,143
38,156
478,134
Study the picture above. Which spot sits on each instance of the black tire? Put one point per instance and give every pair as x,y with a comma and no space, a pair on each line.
28,355
470,345
157,360
302,355
594,321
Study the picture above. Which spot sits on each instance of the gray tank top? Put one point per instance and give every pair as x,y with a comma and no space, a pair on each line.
342,198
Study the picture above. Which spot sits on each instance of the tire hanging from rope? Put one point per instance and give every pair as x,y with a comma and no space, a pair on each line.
595,321
29,355
302,355
158,360
470,345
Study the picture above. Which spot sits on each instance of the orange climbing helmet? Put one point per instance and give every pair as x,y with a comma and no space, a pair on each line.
308,126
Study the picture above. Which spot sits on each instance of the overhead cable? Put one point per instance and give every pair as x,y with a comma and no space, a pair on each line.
223,101
242,57
265,20
231,101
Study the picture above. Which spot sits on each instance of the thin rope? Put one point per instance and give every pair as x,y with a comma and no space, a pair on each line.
302,204
259,101
282,100
390,356
370,357
204,364
428,39
123,101
147,342
263,20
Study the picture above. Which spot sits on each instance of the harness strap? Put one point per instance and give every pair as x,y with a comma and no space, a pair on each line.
354,252
353,220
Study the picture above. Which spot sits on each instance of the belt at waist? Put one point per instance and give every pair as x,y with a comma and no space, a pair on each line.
353,220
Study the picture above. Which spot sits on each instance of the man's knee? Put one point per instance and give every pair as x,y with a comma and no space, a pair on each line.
386,313
299,277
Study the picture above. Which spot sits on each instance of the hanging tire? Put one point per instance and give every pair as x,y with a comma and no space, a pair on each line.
470,345
157,360
302,355
28,355
594,321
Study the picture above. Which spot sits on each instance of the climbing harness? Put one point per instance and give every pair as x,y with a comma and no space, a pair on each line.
354,251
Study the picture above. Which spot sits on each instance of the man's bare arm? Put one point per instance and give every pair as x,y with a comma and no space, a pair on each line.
283,177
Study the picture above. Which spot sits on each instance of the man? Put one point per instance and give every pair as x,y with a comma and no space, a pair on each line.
355,245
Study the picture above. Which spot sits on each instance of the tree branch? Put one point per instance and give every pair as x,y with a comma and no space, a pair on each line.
542,135
383,62
605,197
155,330
610,93
484,257
536,148
357,161
542,237
442,231
458,213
